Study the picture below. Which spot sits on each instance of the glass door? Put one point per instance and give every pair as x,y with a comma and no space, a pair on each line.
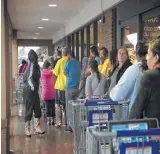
128,32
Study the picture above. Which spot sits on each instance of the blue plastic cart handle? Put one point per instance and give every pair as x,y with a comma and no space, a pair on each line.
129,133
100,102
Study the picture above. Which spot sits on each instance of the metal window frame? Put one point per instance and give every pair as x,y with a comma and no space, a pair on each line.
88,40
77,45
122,25
95,32
82,43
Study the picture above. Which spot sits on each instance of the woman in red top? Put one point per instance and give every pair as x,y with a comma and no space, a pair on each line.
24,67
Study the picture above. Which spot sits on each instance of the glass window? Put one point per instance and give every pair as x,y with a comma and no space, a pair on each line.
91,35
100,39
75,44
79,46
85,42
129,37
151,29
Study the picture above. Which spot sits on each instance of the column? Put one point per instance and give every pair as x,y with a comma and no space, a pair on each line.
14,60
3,82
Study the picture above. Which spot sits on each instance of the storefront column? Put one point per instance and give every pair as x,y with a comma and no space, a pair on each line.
14,60
3,83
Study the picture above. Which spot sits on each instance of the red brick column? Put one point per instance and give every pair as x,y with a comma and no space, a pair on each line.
107,31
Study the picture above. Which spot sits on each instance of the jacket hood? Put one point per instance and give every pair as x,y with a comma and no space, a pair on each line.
32,56
47,72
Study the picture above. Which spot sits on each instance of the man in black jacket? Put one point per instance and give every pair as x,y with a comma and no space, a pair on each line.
30,93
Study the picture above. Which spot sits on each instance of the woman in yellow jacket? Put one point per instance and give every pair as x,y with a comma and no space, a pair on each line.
104,65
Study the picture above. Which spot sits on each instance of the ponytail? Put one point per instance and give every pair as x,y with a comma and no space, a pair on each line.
98,76
141,51
144,64
94,66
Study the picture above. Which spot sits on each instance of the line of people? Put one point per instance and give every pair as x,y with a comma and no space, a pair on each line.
114,73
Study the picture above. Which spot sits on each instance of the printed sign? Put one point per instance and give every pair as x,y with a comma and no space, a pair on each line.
144,150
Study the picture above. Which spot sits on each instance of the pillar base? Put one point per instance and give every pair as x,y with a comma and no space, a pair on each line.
3,136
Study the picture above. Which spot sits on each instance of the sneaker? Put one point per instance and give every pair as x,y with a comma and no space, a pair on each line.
58,125
48,120
68,129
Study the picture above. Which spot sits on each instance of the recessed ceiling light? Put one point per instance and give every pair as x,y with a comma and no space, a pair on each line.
34,37
37,33
45,19
40,27
52,5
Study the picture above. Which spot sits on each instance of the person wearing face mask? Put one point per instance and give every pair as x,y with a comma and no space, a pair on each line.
126,89
95,83
104,65
31,80
123,64
147,101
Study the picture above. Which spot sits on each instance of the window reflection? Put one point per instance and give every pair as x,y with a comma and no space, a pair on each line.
79,46
91,35
130,37
151,29
85,42
100,39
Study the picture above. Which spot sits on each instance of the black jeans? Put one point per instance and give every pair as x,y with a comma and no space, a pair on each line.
50,108
32,103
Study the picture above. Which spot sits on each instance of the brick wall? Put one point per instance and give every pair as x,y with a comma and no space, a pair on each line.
107,31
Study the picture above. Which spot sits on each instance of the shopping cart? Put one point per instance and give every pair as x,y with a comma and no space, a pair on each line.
19,94
106,141
84,113
19,88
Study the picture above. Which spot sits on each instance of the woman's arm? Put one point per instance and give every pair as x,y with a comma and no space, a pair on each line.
142,98
88,87
125,86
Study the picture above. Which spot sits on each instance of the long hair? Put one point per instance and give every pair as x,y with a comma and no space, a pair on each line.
94,50
113,57
155,48
94,66
141,51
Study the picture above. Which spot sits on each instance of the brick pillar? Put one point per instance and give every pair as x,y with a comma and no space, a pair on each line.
107,31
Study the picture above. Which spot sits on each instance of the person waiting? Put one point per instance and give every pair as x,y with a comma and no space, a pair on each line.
83,78
127,87
104,65
147,101
48,91
58,57
73,72
95,83
123,64
94,53
22,66
31,99
60,86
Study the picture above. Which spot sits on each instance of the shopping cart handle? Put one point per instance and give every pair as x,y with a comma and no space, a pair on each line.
100,102
129,133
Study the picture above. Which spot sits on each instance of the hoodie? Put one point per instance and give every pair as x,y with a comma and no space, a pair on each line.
48,81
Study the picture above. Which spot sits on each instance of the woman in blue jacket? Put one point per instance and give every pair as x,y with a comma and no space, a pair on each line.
127,87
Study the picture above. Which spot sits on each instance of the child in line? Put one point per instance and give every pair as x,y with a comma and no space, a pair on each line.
48,91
